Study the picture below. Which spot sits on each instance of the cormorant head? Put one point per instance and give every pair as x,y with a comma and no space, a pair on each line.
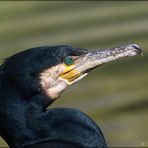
77,63
51,69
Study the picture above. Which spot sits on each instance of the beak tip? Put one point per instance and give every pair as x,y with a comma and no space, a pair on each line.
136,48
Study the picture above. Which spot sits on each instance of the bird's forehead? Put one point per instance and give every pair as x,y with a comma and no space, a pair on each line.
70,51
78,52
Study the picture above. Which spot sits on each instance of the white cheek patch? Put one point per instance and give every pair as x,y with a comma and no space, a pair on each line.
49,80
55,91
46,79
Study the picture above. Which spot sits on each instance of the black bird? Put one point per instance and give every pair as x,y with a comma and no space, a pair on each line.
31,80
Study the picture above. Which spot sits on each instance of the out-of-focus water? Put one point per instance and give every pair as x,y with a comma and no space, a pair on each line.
115,95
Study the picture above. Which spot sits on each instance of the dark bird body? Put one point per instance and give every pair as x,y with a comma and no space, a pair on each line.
25,121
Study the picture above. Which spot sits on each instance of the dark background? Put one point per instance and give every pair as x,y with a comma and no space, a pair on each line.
114,95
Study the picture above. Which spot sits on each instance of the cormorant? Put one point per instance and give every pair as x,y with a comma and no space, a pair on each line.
31,80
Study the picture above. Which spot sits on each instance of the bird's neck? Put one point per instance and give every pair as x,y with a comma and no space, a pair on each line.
17,116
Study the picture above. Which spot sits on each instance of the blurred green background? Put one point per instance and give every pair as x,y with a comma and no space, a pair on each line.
114,95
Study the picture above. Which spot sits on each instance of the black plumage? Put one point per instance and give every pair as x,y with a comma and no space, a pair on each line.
25,121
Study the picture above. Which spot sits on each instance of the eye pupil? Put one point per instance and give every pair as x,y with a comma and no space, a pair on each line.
69,61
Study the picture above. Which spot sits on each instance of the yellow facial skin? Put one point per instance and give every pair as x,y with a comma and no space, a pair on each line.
70,73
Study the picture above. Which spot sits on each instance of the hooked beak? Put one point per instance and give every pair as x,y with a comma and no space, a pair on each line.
95,58
98,57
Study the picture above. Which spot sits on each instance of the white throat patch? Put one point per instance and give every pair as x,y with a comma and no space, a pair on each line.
50,82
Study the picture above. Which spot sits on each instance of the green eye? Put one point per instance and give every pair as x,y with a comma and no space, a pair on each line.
69,61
